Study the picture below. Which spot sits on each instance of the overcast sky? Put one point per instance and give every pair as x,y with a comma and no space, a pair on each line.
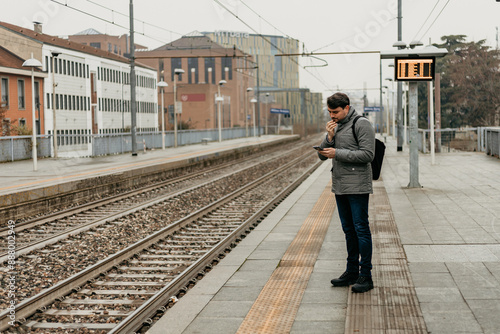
321,25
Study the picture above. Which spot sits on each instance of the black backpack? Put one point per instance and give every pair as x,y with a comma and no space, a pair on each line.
379,152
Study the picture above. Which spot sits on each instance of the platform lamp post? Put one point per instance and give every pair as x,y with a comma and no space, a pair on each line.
392,107
177,72
162,84
254,101
387,111
219,100
32,62
266,111
249,89
55,54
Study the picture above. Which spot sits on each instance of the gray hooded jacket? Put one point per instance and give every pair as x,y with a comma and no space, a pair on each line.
351,168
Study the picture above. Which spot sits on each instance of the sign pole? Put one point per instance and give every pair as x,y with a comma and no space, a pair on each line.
431,104
414,136
279,123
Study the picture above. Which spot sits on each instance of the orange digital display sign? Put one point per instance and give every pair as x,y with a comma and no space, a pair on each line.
415,69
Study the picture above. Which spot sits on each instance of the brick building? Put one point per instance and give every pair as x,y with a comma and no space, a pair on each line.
205,63
16,94
119,45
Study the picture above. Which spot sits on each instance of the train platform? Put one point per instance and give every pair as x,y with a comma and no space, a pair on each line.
436,259
55,177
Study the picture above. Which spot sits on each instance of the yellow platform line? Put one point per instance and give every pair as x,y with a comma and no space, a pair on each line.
275,309
392,306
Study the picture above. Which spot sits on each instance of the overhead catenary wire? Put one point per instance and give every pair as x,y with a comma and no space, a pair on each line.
263,37
127,15
427,19
446,4
126,27
105,20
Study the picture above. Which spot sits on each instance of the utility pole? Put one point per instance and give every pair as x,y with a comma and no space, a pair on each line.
133,106
400,87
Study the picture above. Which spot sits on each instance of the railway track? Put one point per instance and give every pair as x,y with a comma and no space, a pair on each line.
42,231
111,295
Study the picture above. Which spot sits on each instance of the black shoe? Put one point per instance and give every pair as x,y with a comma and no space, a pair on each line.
345,279
363,284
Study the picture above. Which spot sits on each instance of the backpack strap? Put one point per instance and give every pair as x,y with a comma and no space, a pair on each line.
354,132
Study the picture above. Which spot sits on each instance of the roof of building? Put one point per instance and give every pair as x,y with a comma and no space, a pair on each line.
191,41
89,31
11,60
64,43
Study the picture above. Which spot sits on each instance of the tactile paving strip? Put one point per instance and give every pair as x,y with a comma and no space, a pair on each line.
275,309
392,306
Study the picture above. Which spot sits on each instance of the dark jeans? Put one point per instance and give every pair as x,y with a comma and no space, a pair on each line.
353,212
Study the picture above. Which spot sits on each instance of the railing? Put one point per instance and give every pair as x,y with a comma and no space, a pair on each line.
19,147
492,141
86,145
480,139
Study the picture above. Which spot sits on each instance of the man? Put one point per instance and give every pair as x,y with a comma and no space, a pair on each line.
352,185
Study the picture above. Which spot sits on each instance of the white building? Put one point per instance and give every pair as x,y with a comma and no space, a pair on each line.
92,92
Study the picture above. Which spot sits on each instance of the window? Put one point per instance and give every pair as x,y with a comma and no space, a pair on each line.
66,102
227,67
64,66
48,101
20,94
37,96
73,68
210,70
175,63
60,66
22,122
110,47
193,70
55,64
95,45
5,92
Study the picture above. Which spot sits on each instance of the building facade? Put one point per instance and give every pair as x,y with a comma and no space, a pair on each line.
205,64
119,45
86,88
278,76
16,96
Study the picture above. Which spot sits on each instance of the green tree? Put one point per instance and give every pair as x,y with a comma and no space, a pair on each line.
470,82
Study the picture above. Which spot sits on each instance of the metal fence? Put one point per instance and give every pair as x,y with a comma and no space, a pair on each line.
452,140
20,147
480,139
87,145
492,142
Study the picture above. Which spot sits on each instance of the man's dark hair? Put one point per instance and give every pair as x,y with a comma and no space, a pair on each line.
337,100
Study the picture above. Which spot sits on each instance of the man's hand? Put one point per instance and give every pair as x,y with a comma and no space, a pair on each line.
330,128
328,152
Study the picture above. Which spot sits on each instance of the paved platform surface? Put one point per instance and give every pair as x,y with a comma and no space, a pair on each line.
449,230
19,175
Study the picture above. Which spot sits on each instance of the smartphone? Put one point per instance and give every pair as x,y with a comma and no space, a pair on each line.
317,148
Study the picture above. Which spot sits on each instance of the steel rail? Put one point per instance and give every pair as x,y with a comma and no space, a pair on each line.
156,303
20,226
20,250
29,306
